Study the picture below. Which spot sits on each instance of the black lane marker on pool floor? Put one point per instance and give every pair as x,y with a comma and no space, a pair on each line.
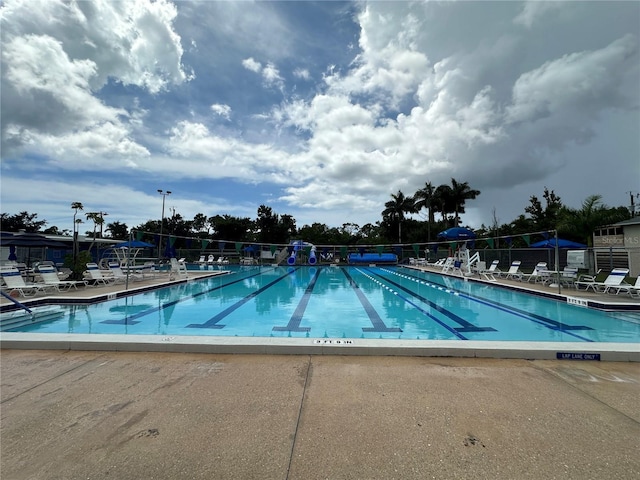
532,317
376,321
464,325
213,321
128,320
296,318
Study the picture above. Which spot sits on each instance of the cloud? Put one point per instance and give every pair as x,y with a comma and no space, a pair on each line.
533,10
57,56
222,110
252,65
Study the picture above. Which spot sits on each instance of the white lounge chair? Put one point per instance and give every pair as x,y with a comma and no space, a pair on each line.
178,270
614,279
120,275
568,276
489,273
222,261
97,277
202,259
14,282
514,270
210,259
537,275
50,276
632,290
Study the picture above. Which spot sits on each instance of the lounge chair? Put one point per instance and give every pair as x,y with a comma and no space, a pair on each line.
437,263
514,270
14,282
178,270
50,276
633,290
489,273
147,270
222,261
202,260
210,259
614,279
120,275
568,276
537,275
95,276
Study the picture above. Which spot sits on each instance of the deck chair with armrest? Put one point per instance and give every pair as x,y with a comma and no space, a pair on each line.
50,276
537,275
626,288
568,276
513,272
15,283
614,279
96,277
489,273
120,275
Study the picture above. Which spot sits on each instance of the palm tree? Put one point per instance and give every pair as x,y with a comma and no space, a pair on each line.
397,207
460,193
75,206
425,198
97,219
581,223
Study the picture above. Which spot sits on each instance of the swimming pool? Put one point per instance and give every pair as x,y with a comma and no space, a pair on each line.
362,302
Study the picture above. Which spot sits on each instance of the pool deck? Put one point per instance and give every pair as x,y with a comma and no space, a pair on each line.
308,346
126,415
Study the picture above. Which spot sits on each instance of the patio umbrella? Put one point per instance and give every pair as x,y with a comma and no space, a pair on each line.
134,244
551,243
29,241
457,233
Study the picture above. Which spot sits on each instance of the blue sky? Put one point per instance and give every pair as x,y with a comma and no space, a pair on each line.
320,110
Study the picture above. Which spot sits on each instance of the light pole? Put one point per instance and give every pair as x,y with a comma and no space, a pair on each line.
164,196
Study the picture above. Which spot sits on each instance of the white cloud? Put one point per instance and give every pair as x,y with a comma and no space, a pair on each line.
222,110
251,64
302,73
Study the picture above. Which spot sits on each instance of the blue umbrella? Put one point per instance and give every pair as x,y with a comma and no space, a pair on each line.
134,244
551,243
457,233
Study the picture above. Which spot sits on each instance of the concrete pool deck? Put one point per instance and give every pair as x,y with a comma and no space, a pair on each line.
121,415
297,346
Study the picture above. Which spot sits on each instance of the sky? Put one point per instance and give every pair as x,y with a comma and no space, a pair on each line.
319,110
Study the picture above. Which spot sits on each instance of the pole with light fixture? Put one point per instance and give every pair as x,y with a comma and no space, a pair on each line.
164,196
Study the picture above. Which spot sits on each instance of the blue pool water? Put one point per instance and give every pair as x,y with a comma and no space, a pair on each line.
345,302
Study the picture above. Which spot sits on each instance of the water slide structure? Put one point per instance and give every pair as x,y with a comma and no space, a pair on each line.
299,245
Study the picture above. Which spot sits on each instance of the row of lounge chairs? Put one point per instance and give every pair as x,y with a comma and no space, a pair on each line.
211,260
614,283
50,281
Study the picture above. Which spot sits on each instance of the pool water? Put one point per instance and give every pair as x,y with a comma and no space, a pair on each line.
344,302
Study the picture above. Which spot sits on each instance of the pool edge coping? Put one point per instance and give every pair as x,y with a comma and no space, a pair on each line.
609,352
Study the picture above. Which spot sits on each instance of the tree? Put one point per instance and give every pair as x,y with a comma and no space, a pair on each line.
76,206
118,230
545,218
200,223
396,208
460,193
579,224
425,198
22,221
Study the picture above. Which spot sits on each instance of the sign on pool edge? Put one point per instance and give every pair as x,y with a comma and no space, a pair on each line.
578,356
